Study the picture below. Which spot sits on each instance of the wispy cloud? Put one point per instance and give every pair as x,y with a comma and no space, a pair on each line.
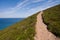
11,12
38,0
14,9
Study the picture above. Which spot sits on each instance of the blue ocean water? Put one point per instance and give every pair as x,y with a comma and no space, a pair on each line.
5,22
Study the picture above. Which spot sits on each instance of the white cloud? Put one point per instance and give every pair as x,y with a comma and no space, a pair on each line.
14,9
38,0
11,12
21,4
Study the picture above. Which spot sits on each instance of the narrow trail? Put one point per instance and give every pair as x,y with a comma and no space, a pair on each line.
41,31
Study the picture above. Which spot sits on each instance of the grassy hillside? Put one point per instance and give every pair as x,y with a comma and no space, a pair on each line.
51,18
24,30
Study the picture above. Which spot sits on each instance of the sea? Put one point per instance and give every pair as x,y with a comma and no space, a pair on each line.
6,22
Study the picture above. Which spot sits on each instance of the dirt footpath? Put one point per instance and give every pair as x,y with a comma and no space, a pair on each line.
41,31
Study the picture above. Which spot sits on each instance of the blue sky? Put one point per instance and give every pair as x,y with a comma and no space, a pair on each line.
24,8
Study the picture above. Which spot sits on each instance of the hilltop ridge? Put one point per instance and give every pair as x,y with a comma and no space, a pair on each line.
23,30
51,18
41,25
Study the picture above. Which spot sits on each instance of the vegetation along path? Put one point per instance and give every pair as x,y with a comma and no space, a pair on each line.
41,30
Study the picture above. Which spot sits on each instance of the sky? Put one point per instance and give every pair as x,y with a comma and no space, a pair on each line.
24,8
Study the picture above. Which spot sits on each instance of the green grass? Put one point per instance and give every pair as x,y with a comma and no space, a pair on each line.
51,18
24,30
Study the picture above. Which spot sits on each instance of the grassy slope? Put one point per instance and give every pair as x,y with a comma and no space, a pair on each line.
51,17
24,30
